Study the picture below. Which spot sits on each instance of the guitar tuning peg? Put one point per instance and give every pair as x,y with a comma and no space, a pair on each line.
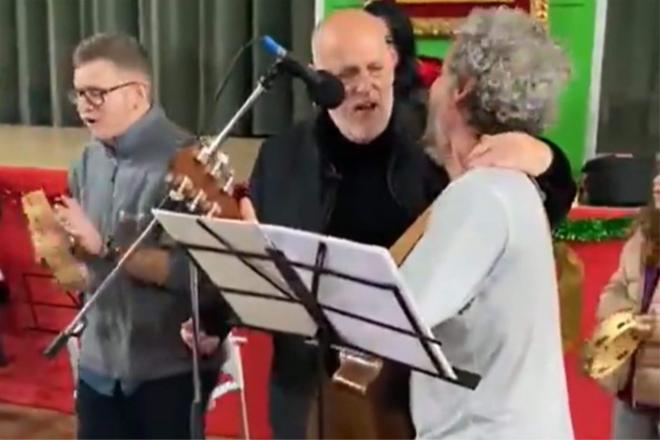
179,194
199,197
221,161
204,153
227,187
215,210
222,158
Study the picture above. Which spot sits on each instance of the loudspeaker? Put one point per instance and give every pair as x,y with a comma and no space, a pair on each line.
618,180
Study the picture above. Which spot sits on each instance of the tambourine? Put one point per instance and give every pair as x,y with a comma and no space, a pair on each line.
614,341
51,243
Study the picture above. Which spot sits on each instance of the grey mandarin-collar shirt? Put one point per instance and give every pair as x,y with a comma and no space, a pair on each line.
132,333
483,277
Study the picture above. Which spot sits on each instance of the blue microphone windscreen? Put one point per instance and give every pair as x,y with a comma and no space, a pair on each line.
271,46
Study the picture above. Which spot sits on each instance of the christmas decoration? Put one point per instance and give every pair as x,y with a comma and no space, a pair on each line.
593,230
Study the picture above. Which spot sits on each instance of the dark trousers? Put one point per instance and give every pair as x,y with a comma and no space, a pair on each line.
288,409
157,409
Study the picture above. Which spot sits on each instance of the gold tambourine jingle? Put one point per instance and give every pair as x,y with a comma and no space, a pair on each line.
614,341
51,243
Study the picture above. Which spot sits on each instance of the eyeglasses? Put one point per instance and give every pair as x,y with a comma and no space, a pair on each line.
94,95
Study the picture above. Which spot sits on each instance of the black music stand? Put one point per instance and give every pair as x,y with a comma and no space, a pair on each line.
281,280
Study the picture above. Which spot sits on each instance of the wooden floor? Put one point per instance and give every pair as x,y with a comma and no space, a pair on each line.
17,422
49,147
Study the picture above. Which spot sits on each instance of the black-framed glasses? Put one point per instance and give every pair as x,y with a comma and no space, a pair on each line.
94,95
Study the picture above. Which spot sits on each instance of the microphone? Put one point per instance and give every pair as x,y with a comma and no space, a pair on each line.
324,88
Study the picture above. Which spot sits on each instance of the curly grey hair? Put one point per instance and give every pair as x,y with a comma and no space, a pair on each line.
518,70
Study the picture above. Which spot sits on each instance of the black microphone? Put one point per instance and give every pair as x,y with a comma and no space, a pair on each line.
324,88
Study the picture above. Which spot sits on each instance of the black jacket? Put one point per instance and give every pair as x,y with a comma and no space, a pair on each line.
294,184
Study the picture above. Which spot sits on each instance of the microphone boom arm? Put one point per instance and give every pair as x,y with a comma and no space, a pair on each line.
60,340
263,84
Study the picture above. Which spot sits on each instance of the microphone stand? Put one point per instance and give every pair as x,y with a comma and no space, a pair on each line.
76,323
263,84
196,409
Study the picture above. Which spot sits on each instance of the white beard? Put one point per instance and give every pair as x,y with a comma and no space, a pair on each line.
436,143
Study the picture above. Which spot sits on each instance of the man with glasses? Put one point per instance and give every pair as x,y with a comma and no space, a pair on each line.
134,371
359,172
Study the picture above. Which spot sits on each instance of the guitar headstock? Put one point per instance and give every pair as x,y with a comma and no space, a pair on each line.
205,182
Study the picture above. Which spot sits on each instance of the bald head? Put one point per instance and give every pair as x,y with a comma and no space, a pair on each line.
354,46
345,28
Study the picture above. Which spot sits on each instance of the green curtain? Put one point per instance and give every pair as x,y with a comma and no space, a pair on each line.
190,43
630,84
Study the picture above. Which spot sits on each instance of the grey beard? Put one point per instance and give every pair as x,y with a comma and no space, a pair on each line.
434,141
434,154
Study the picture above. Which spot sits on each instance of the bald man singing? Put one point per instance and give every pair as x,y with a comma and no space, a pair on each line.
357,173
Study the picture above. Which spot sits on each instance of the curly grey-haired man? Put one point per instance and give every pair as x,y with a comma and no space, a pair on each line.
483,273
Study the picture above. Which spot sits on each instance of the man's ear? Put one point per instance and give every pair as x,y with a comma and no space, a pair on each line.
144,91
463,89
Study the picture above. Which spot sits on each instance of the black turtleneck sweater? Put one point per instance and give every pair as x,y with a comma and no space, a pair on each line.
365,209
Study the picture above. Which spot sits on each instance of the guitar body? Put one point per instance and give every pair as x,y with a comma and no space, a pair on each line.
369,397
381,411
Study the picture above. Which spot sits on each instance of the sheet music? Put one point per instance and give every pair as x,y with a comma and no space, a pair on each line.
365,262
345,257
229,272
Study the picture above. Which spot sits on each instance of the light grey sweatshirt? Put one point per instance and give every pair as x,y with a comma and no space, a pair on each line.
483,276
132,333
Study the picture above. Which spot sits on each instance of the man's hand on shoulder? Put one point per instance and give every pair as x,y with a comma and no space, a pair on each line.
512,150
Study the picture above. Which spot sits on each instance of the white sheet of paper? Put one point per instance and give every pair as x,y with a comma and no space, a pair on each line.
229,272
345,257
363,262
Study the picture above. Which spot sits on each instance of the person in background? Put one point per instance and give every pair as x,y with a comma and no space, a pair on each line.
409,88
634,287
